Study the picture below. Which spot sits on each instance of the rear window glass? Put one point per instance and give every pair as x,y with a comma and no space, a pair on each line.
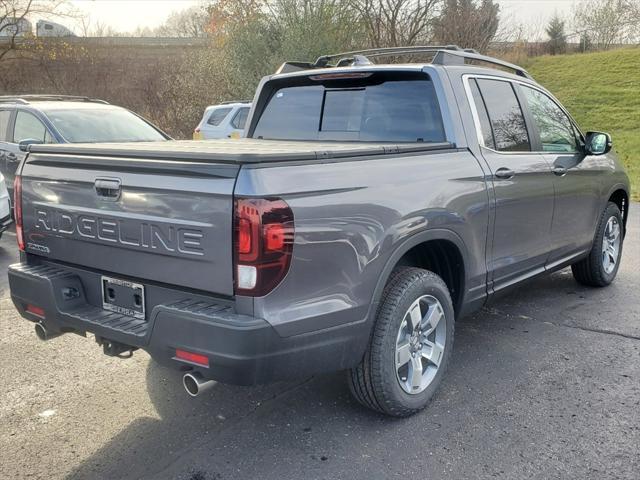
218,115
388,111
240,118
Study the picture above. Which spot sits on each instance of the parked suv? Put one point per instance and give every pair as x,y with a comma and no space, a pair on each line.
64,119
226,120
368,209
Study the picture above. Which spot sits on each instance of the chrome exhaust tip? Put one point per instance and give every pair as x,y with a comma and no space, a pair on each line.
194,383
43,333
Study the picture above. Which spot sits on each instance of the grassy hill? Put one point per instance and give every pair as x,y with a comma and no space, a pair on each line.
602,92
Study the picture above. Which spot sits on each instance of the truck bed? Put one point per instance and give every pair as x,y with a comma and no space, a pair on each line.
242,151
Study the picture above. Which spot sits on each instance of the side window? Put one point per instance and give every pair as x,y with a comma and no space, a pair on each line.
485,124
218,115
240,118
505,116
556,130
5,116
29,127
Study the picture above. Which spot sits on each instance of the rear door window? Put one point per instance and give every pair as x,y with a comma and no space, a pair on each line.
367,110
29,127
481,109
505,115
218,115
5,116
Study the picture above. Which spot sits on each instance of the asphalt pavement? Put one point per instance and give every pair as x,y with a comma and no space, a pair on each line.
544,384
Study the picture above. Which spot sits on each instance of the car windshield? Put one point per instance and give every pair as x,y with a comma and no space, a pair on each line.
102,125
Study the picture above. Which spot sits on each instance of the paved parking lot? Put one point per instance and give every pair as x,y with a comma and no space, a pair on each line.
544,384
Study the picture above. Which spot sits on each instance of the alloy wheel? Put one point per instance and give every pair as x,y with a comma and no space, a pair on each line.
611,245
420,344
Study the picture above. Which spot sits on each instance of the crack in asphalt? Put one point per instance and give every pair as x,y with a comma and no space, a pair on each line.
597,330
496,311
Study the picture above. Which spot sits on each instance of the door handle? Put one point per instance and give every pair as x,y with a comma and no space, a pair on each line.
504,173
560,171
108,188
11,157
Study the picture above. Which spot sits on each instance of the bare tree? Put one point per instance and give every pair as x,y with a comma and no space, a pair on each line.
608,22
225,15
14,19
309,28
189,23
102,29
468,23
392,23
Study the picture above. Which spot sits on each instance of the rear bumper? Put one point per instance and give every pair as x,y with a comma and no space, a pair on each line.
241,349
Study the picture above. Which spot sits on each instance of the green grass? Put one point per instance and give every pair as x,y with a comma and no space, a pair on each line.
602,92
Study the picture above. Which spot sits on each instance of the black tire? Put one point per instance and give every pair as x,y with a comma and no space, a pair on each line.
590,271
374,382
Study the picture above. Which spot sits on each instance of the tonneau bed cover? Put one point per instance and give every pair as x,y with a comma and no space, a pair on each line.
240,151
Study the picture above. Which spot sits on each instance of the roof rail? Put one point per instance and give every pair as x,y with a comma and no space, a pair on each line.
447,57
228,102
442,55
323,61
25,99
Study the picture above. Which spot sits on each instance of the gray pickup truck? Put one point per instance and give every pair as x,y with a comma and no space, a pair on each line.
368,209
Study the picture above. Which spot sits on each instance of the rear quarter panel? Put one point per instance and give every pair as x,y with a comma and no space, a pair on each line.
350,219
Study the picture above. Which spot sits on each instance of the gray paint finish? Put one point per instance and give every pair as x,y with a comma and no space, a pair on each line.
358,208
353,216
156,230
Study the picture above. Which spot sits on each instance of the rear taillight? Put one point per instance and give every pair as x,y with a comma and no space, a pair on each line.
197,130
263,243
17,210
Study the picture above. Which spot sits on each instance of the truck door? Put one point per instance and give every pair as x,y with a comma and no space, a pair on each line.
577,178
522,182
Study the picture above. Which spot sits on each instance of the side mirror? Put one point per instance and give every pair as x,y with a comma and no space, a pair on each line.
23,145
598,143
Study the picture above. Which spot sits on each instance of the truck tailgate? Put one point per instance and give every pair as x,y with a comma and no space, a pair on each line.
167,221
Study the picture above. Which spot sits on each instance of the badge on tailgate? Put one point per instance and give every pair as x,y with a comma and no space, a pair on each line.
121,296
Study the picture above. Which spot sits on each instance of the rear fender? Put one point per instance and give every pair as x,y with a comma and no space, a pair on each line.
400,251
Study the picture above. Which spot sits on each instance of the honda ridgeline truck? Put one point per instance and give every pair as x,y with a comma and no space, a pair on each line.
368,209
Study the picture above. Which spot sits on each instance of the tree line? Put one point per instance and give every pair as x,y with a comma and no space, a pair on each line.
247,39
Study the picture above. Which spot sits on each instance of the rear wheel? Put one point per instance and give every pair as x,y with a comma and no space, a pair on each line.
601,266
410,346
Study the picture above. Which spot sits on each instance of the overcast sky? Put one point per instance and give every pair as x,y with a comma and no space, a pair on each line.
127,15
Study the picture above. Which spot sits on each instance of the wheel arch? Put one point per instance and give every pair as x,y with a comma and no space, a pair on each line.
438,239
619,195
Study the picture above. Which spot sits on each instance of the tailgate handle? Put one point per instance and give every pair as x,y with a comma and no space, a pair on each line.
108,188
